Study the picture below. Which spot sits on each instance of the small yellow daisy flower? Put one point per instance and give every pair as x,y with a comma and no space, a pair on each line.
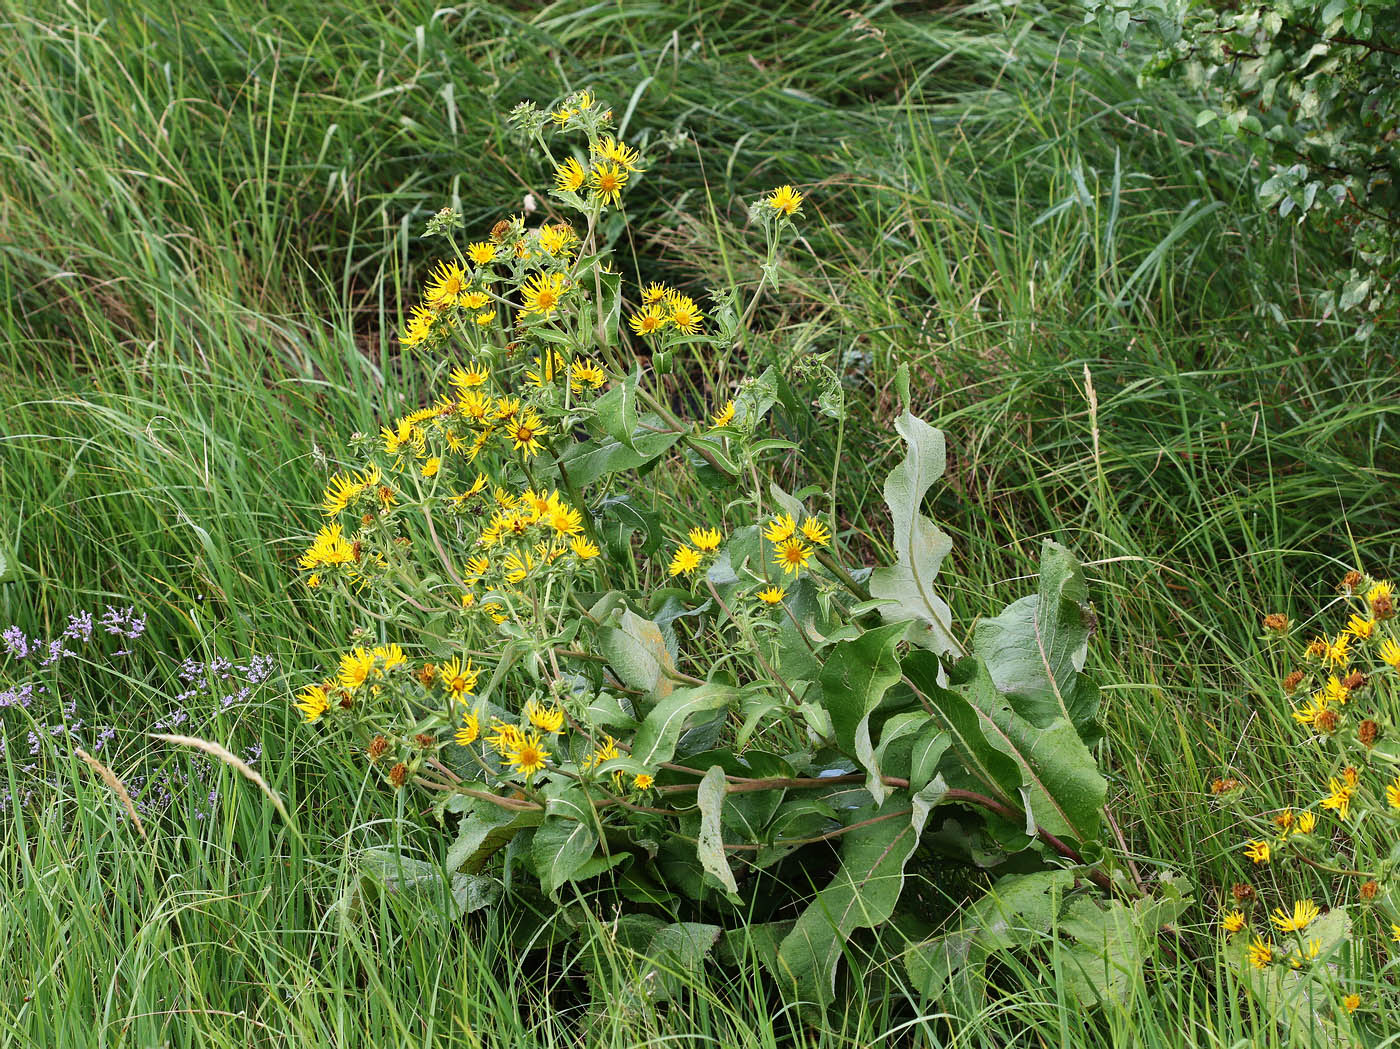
481,253
1304,913
355,668
654,293
541,293
724,416
525,434
816,532
1392,793
1233,922
607,180
569,176
471,728
528,755
1390,653
706,540
432,466
771,595
1258,851
780,528
583,549
643,781
792,555
784,199
547,719
446,284
1361,628
648,321
457,679
313,702
1351,1003
684,561
684,314
1260,953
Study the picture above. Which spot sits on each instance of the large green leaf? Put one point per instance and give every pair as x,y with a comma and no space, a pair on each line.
861,895
905,588
560,847
710,842
483,833
1035,649
655,741
586,462
854,680
637,652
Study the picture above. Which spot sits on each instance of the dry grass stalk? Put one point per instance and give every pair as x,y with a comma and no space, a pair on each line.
118,788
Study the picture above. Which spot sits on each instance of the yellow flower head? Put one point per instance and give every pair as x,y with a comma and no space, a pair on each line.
432,466
1305,954
504,736
648,320
583,549
816,532
643,781
546,719
1379,590
784,199
355,669
546,368
586,373
466,378
1390,653
557,239
706,540
1351,1002
607,181
1307,822
1392,793
1338,652
1261,953
1361,628
780,528
607,750
565,520
541,293
724,416
1232,922
1339,799
313,702
457,679
1304,913
390,656
474,299
792,555
684,314
528,755
446,284
420,326
1258,851
481,253
569,176
485,318
525,433
609,148
771,595
654,293
471,728
684,561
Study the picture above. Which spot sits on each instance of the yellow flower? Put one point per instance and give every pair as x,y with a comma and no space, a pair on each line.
643,781
706,540
784,199
565,520
547,719
481,253
1260,953
313,581
780,528
724,416
471,728
1307,954
607,181
1392,793
420,326
1379,590
583,549
541,293
606,751
447,283
1334,691
586,373
684,561
343,489
1308,712
1390,653
313,702
648,321
556,239
1351,1002
432,466
1360,628
1307,821
609,148
1340,798
1338,653
684,314
792,555
466,378
468,600
476,568
1304,913
355,667
771,595
390,656
485,318
517,567
1233,922
474,299
1258,851
525,434
476,405
654,293
1395,932
457,679
816,532
329,547
503,737
569,176
528,755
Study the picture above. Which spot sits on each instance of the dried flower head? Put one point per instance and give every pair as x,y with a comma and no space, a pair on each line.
398,775
1292,681
376,749
1276,622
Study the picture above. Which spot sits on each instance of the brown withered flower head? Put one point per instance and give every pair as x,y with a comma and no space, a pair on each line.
1276,622
426,673
398,775
499,230
1354,680
1243,892
1350,582
1292,681
424,740
1382,607
1367,732
1368,890
1224,786
1326,721
376,749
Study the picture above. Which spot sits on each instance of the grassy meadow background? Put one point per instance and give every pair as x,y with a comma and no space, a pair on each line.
209,230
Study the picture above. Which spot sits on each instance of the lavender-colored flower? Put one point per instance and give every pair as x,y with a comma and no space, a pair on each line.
79,627
16,644
124,622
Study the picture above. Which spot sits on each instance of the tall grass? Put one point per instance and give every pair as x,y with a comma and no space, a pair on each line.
211,224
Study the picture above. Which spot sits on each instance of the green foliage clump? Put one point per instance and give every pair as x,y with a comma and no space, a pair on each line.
1313,88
